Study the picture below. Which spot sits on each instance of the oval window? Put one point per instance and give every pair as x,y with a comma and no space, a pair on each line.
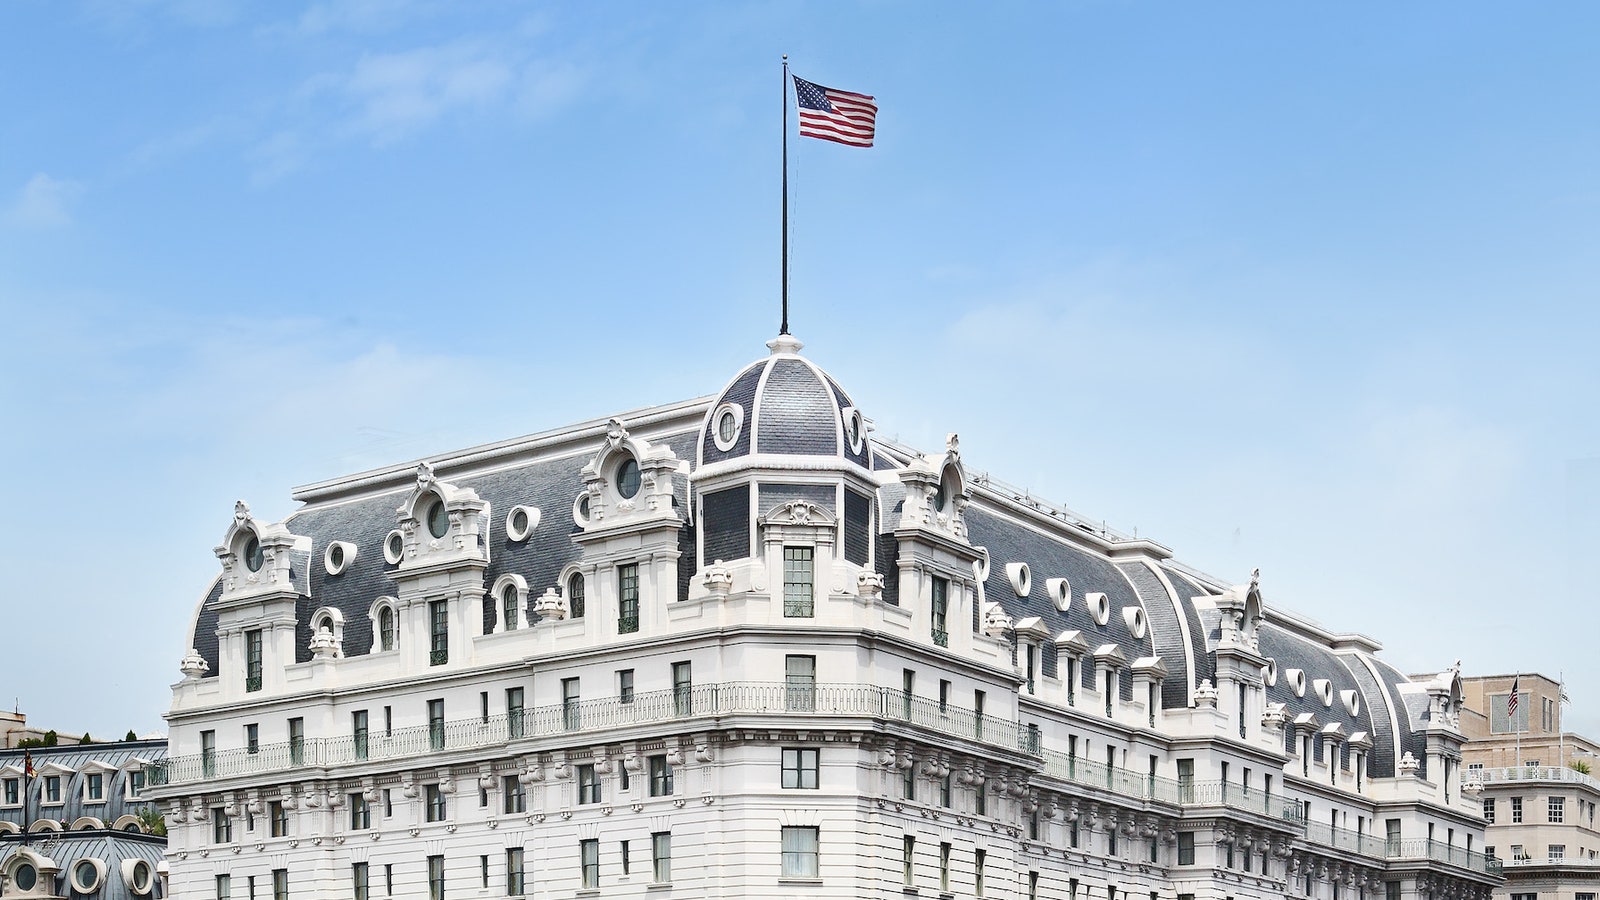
438,519
628,478
395,547
336,556
84,875
141,877
852,432
941,496
727,426
254,558
519,521
26,877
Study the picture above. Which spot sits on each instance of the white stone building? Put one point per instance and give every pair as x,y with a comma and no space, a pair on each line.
737,647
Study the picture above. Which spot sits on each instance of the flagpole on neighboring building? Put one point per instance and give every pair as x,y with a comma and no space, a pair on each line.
783,328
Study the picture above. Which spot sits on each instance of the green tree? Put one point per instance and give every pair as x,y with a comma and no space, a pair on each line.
1580,766
152,821
86,739
130,736
51,738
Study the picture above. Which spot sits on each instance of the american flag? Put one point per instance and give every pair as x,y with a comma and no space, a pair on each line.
840,116
1511,702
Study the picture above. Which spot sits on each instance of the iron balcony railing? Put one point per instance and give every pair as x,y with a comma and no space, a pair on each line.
627,624
729,698
941,638
1445,853
1237,796
438,657
1345,839
1124,782
799,609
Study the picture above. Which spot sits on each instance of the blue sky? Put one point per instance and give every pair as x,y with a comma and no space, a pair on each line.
1305,288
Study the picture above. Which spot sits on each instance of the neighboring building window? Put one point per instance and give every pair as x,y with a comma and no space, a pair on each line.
515,886
386,628
682,689
436,878
359,732
570,711
589,861
660,778
221,826
661,856
278,817
1516,809
799,598
1557,851
800,849
516,800
508,608
1185,848
297,741
436,724
252,660
800,766
575,596
628,599
438,632
1488,810
588,784
360,812
800,681
358,880
941,610
1558,809
135,784
514,724
625,685
435,803
280,884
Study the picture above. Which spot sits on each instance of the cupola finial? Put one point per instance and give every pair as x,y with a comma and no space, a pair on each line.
784,343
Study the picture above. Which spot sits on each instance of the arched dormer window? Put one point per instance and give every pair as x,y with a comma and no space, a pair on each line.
510,594
385,625
574,591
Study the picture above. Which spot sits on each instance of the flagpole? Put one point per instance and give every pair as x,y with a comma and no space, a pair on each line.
783,328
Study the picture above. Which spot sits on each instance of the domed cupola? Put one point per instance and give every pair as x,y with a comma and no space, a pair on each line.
784,405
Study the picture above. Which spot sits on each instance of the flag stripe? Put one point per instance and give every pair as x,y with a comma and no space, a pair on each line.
843,117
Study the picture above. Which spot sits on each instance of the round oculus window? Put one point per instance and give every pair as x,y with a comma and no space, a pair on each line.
394,547
583,506
628,478
941,497
254,558
141,877
519,520
25,877
85,875
336,556
727,426
438,519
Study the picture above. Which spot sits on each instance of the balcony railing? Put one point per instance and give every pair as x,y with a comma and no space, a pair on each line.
1531,773
438,657
941,638
1237,796
1345,839
1455,856
713,700
1578,861
800,609
627,624
252,683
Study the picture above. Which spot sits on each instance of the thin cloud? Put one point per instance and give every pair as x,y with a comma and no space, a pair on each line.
45,202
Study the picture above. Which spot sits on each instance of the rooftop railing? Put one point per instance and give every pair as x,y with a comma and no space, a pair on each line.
701,701
1583,861
1531,773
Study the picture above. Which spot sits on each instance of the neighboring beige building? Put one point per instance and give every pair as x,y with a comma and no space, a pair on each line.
1539,808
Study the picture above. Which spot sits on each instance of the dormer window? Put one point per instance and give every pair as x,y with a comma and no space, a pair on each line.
941,613
439,632
438,519
941,497
254,557
575,596
386,628
94,787
508,607
252,660
52,789
627,479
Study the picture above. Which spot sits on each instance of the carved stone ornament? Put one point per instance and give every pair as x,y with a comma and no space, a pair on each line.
870,586
996,623
324,646
1275,717
798,512
193,665
551,605
1409,764
718,581
1205,696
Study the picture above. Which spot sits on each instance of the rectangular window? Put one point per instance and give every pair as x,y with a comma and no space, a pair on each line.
252,660
358,880
908,684
978,698
297,741
1031,665
908,858
682,689
436,724
280,884
625,686
1185,848
515,799
435,802
944,867
13,792
1558,810
1488,810
438,632
1033,886
800,681
514,724
627,857
388,804
589,861
800,765
799,600
1557,851
660,776
941,612
277,818
94,787
358,733
979,857
224,887
944,697
944,790
1391,890
627,599
221,826
515,885
661,857
1516,809
588,784
1391,836
483,872
980,797
1186,781
208,754
1072,681
800,848
360,812
435,878
483,707
571,717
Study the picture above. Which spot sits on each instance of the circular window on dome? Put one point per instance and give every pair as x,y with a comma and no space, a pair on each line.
855,429
254,558
25,877
438,519
86,876
628,478
141,877
941,497
394,548
726,425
